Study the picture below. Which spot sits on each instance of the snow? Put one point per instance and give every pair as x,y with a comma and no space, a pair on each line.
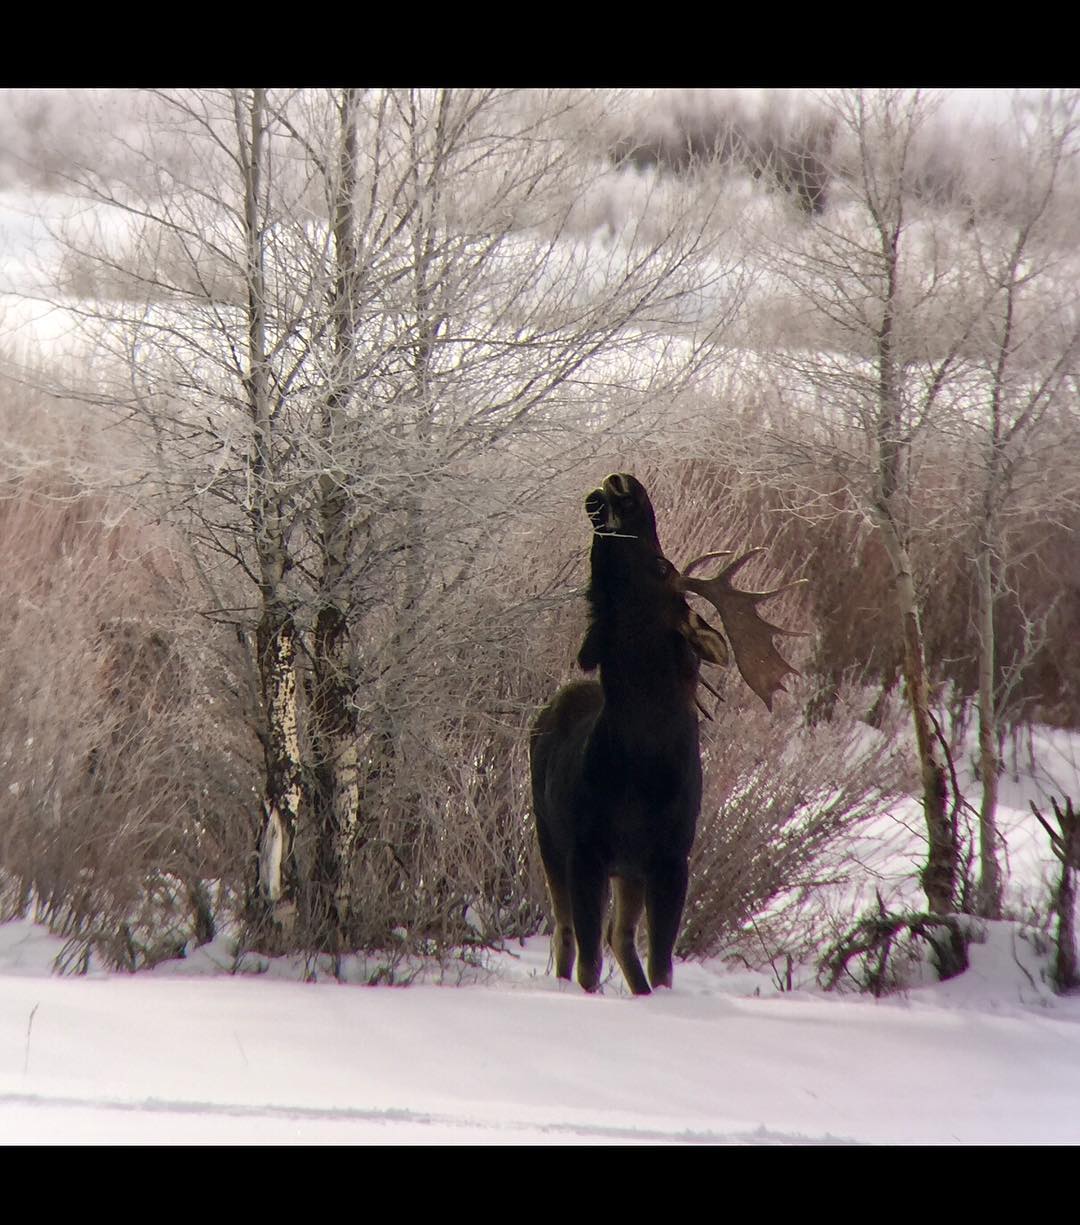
191,1054
500,1052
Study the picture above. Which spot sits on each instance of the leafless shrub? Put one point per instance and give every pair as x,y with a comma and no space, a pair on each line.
124,753
782,804
814,527
879,952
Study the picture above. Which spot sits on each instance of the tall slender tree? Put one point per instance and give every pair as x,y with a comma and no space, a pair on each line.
894,318
1025,350
357,335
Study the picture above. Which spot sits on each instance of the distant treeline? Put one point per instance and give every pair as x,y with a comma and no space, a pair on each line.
790,142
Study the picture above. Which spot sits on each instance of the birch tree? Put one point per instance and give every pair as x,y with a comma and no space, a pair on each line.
894,314
1027,345
358,337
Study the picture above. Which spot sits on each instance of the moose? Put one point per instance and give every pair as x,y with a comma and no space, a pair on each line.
615,764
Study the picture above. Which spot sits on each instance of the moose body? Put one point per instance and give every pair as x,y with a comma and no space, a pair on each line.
616,763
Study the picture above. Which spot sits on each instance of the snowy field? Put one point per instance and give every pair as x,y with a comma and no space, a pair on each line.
189,1054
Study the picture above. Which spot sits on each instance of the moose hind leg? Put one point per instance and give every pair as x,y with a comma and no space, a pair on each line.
629,903
562,942
588,894
665,896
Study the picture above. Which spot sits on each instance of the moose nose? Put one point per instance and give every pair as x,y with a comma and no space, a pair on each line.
617,485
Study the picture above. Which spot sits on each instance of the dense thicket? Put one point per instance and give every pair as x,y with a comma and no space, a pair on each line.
125,749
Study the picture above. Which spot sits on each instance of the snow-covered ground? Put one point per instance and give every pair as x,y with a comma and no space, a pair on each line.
189,1054
501,1053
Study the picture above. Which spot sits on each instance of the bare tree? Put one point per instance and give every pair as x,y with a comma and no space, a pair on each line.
945,330
357,335
895,316
1025,351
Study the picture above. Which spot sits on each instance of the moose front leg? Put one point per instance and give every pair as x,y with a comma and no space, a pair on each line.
665,896
629,903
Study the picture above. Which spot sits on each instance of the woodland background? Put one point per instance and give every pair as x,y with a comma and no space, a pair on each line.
302,394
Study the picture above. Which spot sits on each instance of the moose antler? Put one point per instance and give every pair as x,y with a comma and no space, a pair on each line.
751,636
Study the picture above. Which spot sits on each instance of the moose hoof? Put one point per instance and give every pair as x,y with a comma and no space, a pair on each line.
661,977
589,978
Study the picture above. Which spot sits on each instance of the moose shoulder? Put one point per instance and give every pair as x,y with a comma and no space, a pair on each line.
615,763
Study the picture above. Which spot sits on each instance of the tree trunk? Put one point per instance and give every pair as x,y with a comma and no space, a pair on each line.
334,775
1066,846
335,783
278,880
939,875
990,889
276,636
1066,965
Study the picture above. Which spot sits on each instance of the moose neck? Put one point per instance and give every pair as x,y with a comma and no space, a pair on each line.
649,682
648,671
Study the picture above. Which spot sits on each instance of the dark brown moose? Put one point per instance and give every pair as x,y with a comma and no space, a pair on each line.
616,767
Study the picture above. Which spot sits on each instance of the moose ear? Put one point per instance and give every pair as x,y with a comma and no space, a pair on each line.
710,644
